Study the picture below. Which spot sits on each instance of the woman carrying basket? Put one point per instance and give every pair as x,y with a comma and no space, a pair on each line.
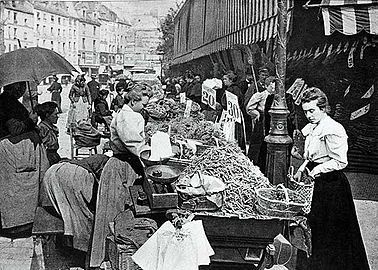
336,236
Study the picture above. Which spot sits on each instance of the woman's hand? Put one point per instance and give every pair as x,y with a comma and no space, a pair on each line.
298,176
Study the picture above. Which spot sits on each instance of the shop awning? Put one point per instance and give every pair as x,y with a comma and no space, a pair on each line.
205,27
350,17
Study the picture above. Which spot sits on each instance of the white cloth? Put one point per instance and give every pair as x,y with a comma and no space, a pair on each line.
326,143
77,113
127,131
256,104
165,251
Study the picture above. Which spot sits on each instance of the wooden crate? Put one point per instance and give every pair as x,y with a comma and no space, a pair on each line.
159,197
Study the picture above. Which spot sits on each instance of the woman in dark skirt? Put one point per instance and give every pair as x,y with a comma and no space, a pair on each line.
229,81
336,237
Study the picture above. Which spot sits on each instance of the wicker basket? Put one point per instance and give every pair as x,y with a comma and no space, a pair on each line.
264,198
304,188
275,213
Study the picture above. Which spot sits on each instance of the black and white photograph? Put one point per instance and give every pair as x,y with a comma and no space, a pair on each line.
189,135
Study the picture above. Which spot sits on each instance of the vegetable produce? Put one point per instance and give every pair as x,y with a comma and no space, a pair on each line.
241,177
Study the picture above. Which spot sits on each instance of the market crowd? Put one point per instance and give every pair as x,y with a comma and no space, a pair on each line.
89,193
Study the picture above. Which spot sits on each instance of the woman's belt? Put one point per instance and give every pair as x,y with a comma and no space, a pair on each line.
311,165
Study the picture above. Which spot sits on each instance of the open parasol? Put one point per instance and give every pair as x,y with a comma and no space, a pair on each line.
32,64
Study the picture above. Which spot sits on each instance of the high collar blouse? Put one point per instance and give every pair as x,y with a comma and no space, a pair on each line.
327,144
127,131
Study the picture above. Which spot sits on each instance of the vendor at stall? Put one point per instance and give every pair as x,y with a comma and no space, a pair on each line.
229,81
23,161
127,140
48,131
336,237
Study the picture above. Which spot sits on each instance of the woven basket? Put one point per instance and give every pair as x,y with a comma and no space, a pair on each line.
264,198
275,213
304,188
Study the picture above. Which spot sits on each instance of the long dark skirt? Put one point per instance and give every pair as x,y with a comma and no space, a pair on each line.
336,237
56,97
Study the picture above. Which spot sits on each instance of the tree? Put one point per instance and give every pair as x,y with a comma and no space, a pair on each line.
167,28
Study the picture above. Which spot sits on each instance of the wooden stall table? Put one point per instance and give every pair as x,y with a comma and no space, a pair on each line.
238,243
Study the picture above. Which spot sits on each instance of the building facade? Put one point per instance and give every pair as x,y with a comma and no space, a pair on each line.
56,28
18,25
90,35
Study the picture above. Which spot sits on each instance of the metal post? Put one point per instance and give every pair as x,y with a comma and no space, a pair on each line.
278,140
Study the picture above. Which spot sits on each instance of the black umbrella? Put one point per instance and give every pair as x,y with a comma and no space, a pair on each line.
31,64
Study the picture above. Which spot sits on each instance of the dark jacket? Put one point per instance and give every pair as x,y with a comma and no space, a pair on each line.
94,88
101,107
55,87
14,117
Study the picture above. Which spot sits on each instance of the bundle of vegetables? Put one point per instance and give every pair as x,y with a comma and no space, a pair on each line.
241,177
156,110
196,129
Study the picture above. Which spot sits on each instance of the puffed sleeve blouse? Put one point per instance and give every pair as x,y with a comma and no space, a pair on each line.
327,144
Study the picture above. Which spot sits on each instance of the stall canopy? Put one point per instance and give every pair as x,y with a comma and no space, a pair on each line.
349,17
203,27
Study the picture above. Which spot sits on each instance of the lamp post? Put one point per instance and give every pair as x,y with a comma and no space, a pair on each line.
278,140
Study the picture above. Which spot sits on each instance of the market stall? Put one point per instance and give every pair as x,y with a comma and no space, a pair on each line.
198,172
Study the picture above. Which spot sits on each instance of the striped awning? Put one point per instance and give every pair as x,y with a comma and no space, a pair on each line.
350,17
203,27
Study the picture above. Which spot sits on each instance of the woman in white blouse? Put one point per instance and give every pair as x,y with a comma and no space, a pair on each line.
127,140
336,236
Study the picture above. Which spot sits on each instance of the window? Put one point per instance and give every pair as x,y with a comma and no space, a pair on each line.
94,45
64,47
44,16
94,30
69,32
38,16
15,17
37,42
44,29
15,47
64,33
83,13
69,45
25,36
13,3
74,32
9,15
59,20
26,21
83,43
15,32
51,30
10,47
52,45
44,43
58,32
74,46
52,18
37,27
